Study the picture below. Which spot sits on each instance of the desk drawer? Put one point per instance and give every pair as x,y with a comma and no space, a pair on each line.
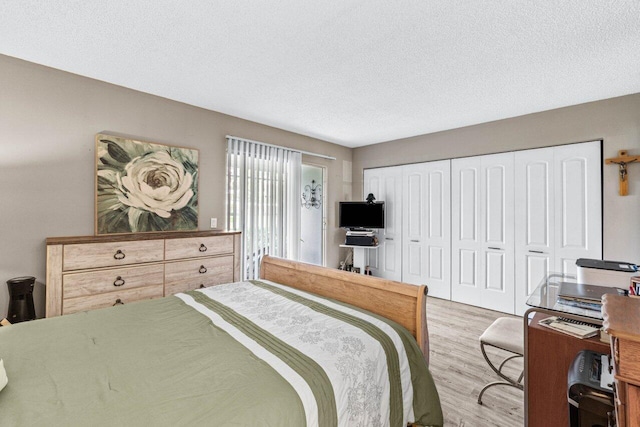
628,359
111,280
73,305
111,254
184,276
192,247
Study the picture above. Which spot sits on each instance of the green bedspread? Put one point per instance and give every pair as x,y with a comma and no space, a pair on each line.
200,359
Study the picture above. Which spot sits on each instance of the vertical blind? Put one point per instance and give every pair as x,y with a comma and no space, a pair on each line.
263,200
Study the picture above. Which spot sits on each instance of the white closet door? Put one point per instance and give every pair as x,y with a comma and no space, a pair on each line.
386,186
466,242
483,231
426,238
578,200
534,221
497,208
372,183
438,229
414,194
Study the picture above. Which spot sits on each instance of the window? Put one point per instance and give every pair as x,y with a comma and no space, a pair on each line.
263,200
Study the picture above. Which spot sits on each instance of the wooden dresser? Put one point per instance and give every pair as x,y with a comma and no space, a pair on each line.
90,272
622,321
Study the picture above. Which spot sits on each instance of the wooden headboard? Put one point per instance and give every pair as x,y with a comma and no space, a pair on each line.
404,304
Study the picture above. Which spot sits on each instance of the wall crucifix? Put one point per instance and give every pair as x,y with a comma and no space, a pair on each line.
622,161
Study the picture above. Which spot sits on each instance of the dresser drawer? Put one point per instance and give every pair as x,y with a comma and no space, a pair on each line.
111,254
184,276
192,247
111,280
73,305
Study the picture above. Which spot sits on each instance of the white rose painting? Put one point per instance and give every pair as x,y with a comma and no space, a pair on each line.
142,187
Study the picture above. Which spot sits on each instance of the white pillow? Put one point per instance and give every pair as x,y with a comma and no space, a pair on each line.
3,376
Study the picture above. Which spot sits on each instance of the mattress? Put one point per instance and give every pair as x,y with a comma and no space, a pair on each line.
246,353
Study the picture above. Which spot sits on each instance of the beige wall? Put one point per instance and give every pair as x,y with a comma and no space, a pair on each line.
616,121
48,120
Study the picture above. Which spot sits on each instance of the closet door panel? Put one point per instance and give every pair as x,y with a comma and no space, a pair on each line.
468,267
534,222
414,192
495,205
386,186
426,237
437,240
578,197
392,268
437,265
538,200
392,193
537,267
497,213
372,183
438,184
468,209
466,282
495,271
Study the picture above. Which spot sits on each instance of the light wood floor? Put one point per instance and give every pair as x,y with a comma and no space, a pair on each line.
460,371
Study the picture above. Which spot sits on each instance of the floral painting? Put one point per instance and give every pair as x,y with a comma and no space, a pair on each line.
142,187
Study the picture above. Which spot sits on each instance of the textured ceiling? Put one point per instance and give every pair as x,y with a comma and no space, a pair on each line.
346,71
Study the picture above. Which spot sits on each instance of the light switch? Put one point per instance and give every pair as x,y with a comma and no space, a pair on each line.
214,222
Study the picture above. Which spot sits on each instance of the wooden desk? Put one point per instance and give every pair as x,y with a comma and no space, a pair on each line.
549,355
622,321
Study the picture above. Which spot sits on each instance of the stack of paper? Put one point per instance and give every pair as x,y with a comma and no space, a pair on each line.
570,327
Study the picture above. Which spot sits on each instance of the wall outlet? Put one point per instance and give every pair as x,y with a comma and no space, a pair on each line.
214,222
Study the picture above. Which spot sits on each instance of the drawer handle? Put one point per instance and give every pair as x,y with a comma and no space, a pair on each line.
118,302
202,269
118,282
203,248
119,254
415,241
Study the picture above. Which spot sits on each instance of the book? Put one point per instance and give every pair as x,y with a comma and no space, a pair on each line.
571,327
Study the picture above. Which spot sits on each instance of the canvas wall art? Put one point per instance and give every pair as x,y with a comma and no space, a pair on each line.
144,187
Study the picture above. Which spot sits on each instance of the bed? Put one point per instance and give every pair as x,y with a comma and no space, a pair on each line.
304,345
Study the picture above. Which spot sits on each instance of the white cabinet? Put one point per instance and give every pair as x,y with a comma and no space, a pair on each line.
483,231
386,186
426,226
558,212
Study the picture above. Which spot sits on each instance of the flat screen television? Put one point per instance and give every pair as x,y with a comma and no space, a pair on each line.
361,215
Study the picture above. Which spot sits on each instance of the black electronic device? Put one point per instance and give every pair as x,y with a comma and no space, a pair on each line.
361,215
360,240
589,390
21,306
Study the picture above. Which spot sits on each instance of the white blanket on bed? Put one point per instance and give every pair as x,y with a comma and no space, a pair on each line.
354,362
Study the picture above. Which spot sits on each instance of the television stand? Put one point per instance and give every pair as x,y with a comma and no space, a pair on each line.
359,255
